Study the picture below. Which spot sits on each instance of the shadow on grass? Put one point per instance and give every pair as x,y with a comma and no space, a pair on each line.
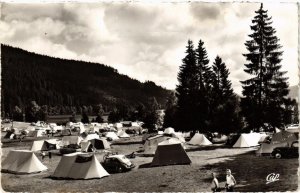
126,142
205,148
146,165
251,171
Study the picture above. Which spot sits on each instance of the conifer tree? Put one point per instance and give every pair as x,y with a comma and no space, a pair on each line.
264,93
204,83
187,91
225,117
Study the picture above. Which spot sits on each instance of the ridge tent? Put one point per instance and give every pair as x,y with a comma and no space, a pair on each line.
36,133
122,134
151,143
22,162
284,136
247,140
199,139
170,152
44,145
91,136
68,140
79,166
86,146
169,131
111,135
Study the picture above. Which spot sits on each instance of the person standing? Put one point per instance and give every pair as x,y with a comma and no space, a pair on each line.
214,183
230,181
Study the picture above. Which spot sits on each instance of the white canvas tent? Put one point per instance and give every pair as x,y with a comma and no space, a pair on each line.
248,140
36,133
44,145
67,140
122,134
199,139
22,162
169,131
152,142
79,166
95,143
111,135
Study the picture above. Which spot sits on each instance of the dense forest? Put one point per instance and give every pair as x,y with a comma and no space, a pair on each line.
68,84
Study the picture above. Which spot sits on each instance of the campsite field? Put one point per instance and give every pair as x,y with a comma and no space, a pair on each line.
249,170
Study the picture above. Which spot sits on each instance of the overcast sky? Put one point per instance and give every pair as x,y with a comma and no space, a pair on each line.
147,41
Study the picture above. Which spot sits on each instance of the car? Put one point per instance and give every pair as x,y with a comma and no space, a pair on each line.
284,152
117,163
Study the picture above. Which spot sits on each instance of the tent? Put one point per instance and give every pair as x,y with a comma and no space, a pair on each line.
122,134
170,152
151,143
44,145
284,136
86,146
91,136
36,133
67,140
111,135
79,166
169,131
22,162
66,132
247,140
199,139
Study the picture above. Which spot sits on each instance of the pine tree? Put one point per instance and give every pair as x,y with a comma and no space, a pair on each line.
265,91
204,83
186,91
224,105
170,112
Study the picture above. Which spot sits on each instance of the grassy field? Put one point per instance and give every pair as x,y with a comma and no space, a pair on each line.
249,170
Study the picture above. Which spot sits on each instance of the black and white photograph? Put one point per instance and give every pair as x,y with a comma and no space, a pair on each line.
149,96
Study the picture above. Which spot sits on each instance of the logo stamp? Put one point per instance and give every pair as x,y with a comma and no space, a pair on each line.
272,177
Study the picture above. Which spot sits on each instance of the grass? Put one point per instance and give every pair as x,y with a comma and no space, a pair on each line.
250,172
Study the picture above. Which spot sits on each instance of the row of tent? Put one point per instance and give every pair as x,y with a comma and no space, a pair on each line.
86,166
74,166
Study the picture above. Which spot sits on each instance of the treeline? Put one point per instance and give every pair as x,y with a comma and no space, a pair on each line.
204,98
67,86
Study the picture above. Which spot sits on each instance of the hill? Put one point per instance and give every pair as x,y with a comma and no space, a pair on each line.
53,81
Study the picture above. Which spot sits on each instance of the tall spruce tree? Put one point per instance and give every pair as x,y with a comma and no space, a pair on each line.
187,91
225,117
204,83
265,91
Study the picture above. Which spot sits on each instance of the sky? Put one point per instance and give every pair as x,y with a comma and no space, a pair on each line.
147,41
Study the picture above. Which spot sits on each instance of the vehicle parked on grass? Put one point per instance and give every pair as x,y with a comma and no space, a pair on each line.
117,163
285,152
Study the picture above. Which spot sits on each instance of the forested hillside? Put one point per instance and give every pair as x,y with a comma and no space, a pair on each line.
52,81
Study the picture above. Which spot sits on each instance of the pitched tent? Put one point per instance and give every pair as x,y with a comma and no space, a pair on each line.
122,134
111,135
170,152
247,140
284,136
199,139
44,145
36,133
91,136
86,146
79,166
151,143
22,162
68,140
66,132
169,131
